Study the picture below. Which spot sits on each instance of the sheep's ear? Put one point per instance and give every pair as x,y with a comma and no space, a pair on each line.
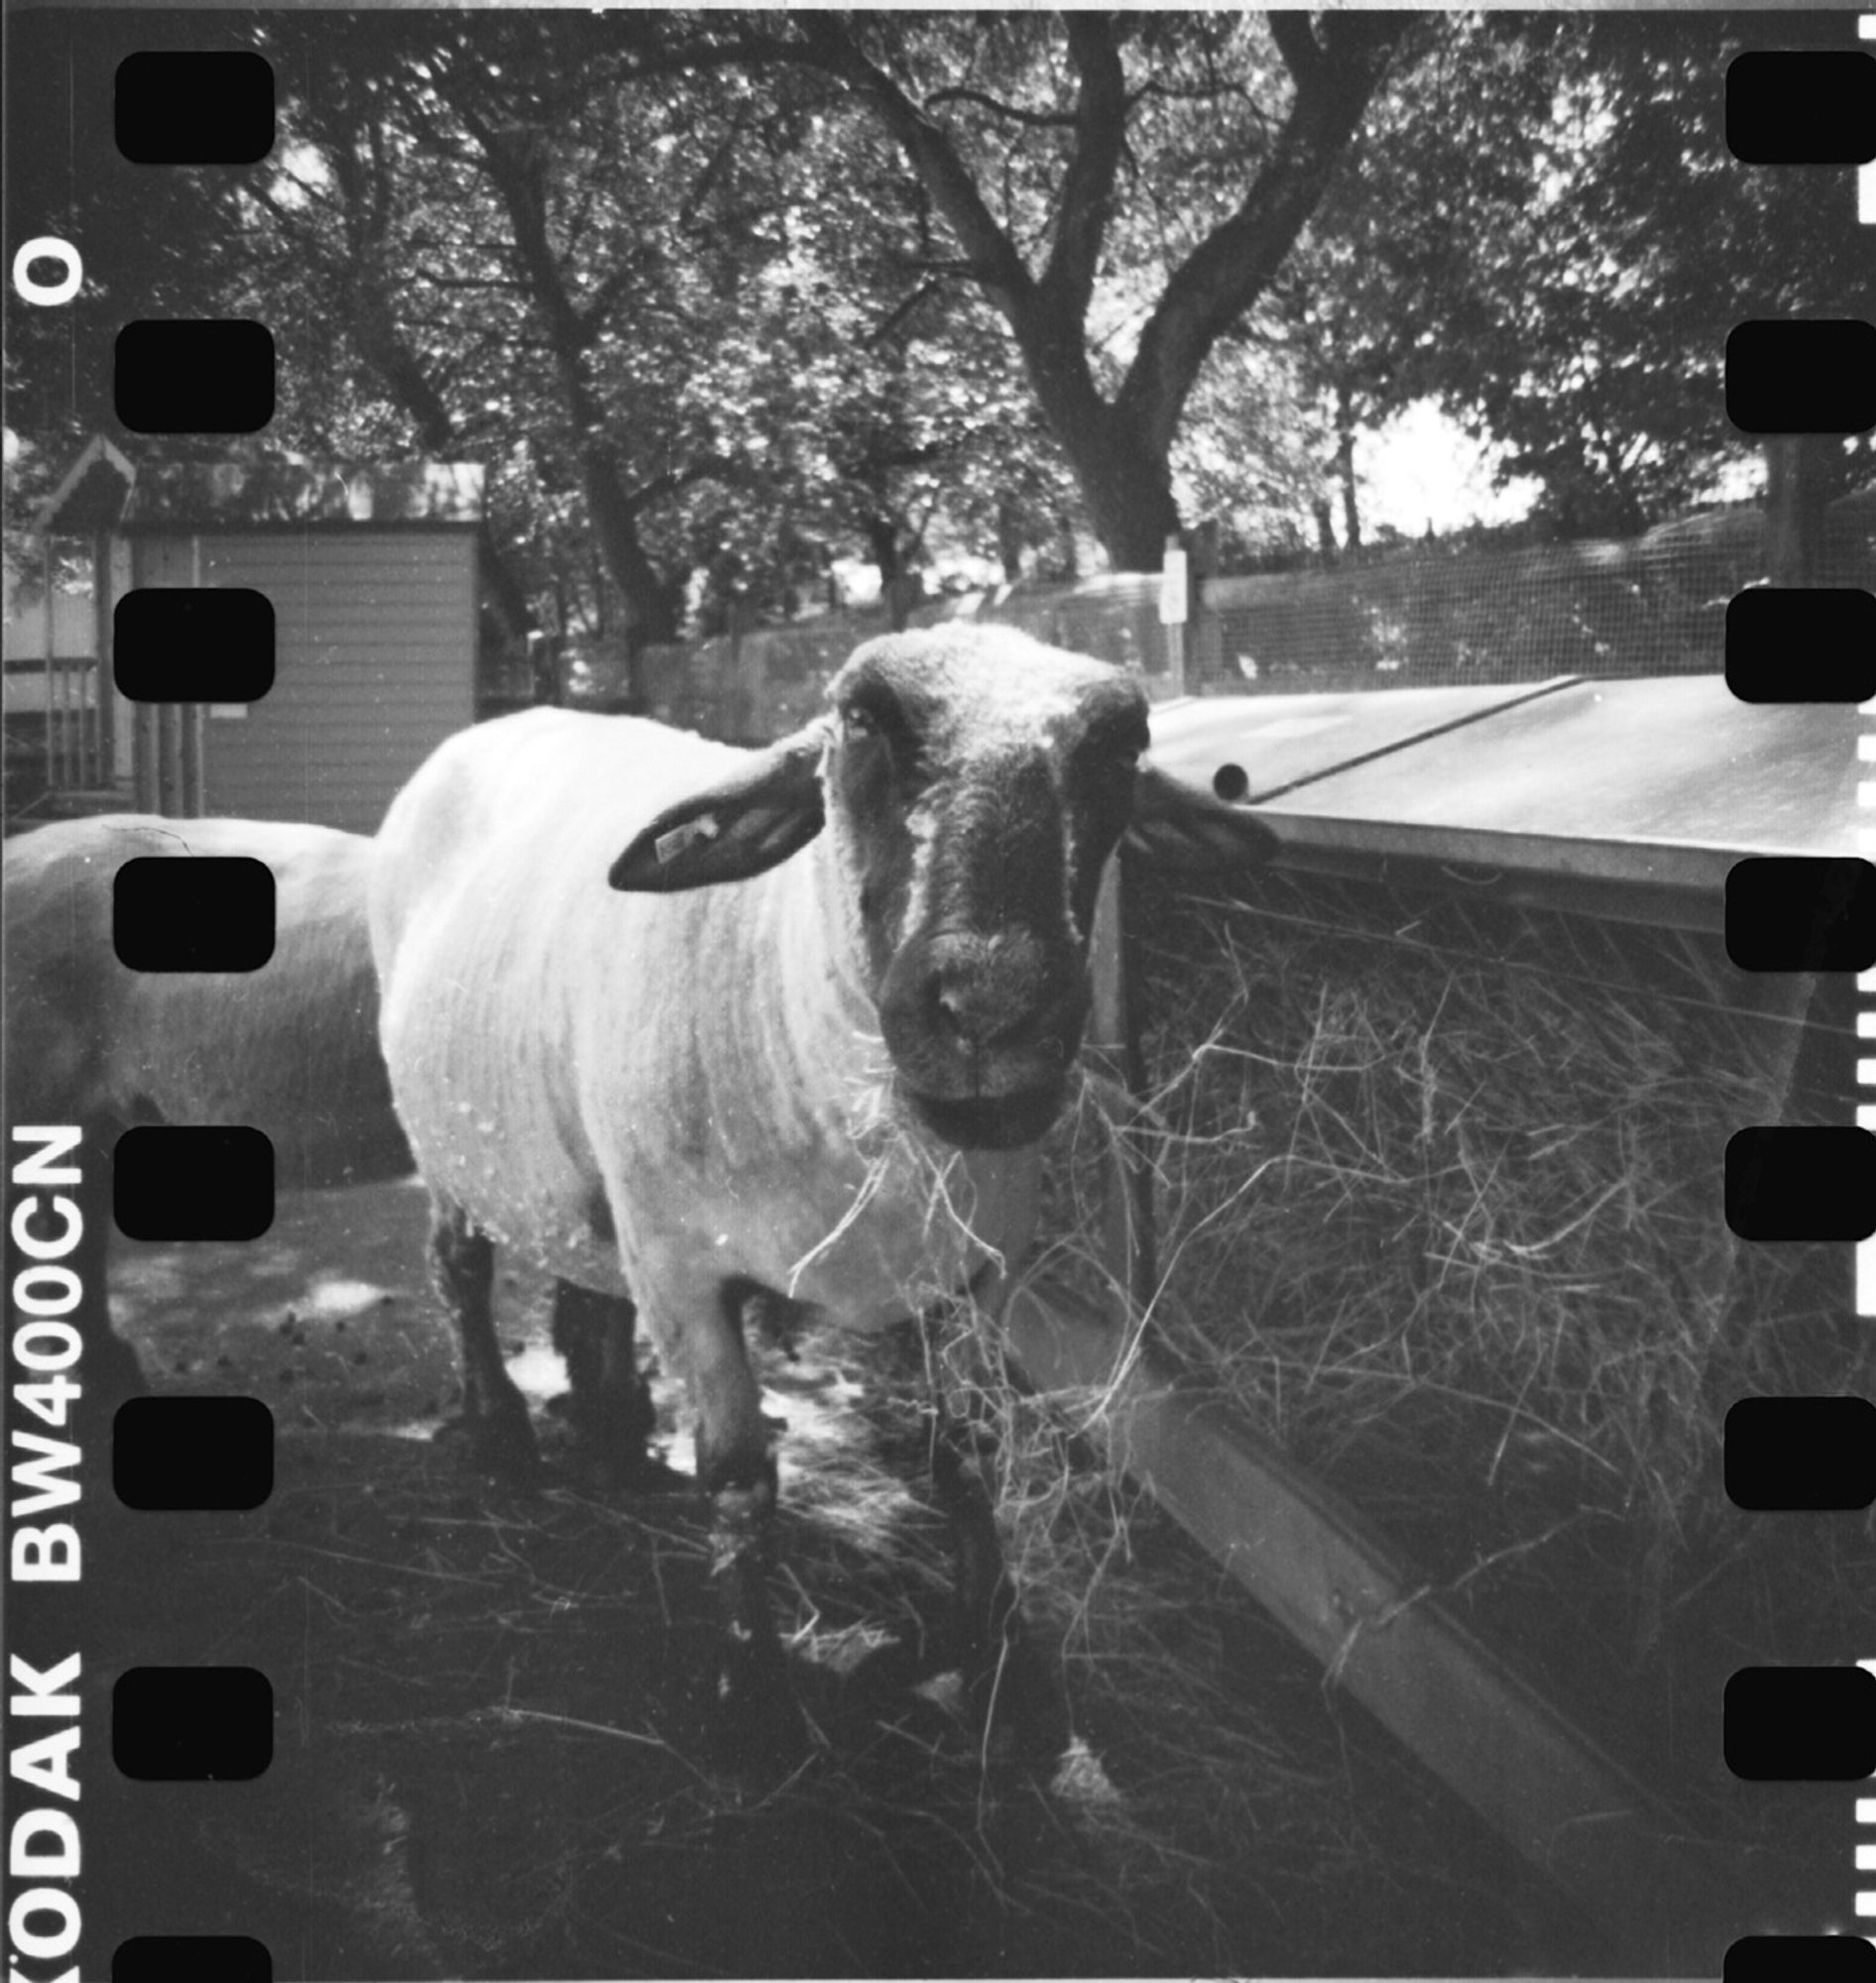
753,820
1190,833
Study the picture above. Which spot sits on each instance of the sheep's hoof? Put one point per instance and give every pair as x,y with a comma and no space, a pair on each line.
499,1450
501,1443
633,1472
756,1727
1013,1699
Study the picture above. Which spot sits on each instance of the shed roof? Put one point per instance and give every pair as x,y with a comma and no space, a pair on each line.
105,491
1626,798
90,495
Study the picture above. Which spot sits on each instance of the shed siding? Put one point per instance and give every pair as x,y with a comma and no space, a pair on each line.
374,667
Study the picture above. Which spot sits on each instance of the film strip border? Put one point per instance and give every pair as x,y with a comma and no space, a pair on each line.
175,649
1799,383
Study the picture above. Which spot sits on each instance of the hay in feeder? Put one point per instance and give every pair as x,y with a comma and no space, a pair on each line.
1440,1191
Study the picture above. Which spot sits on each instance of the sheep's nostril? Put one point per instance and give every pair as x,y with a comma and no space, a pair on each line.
979,1012
973,1019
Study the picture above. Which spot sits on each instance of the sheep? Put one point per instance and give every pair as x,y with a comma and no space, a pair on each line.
291,1049
288,1048
803,1048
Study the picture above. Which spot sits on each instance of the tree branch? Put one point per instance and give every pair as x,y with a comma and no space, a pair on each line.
439,281
995,263
1036,119
706,468
1232,267
1068,281
1295,43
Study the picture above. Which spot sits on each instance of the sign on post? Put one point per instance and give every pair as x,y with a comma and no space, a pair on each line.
1175,585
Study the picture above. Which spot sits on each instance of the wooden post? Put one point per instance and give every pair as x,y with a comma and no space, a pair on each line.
755,690
1127,1245
144,756
169,759
1174,604
46,646
734,621
145,743
1796,491
191,723
103,646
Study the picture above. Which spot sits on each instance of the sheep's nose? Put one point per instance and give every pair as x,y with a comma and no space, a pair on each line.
974,1005
965,992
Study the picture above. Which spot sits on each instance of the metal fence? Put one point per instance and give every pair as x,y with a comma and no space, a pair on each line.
1433,616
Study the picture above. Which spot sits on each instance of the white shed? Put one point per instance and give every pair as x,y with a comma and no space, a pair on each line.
371,572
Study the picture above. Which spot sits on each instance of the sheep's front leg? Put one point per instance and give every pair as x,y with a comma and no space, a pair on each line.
755,1716
1006,1684
609,1397
495,1414
987,1623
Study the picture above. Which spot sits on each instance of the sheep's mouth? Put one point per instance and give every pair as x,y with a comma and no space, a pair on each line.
992,1121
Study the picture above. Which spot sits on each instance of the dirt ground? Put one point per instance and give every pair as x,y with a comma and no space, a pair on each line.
491,1754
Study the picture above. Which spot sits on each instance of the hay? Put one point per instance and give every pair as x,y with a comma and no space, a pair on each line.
1440,1189
1190,1812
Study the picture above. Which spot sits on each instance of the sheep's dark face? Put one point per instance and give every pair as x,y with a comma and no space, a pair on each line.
973,785
976,787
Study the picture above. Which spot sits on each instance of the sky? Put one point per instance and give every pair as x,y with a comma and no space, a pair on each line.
1422,468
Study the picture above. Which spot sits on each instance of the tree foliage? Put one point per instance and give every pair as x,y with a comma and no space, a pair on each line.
1542,225
720,298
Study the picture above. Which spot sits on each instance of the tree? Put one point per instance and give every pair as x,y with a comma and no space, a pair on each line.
682,299
1061,101
1120,189
538,261
155,241
1541,223
735,294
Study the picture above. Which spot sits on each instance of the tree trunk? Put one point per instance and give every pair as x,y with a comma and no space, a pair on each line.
373,324
1130,503
543,671
1125,482
649,611
504,598
1119,451
1010,541
1325,530
882,541
1345,471
515,163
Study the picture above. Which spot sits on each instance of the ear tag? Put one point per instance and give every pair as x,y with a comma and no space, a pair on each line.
668,846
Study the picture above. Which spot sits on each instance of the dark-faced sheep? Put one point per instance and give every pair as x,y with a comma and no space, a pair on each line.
291,1049
805,1043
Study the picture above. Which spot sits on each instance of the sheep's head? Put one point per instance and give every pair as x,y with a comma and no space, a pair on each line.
973,785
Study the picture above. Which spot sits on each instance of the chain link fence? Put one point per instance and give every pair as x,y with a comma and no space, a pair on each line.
1433,616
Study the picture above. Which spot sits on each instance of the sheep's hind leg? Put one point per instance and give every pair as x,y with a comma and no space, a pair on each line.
113,1372
109,1372
608,1401
495,1414
756,1718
